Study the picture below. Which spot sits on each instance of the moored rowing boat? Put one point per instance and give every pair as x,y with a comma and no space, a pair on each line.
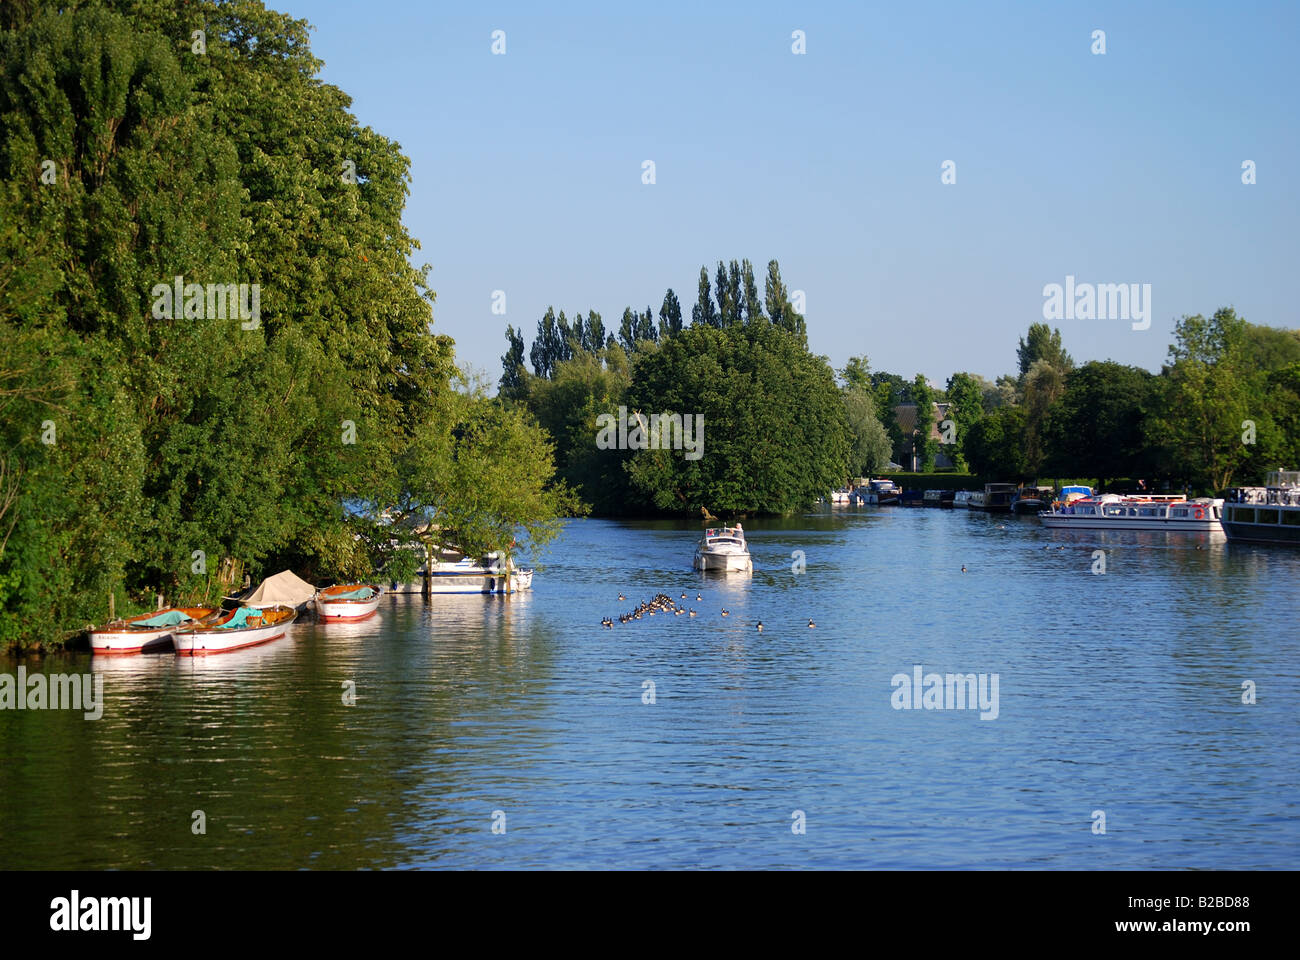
235,630
148,632
348,603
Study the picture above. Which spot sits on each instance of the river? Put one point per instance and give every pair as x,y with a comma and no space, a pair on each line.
493,732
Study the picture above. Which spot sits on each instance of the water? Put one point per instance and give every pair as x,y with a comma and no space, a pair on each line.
1119,693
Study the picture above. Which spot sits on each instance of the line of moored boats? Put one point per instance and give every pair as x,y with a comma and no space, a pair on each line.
1268,514
265,613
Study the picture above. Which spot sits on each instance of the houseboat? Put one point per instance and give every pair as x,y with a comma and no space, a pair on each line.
938,498
1032,499
1114,512
723,548
998,497
975,500
1269,514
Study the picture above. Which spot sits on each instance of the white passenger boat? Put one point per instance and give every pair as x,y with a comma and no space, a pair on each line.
1114,512
234,630
723,548
348,602
148,632
1268,514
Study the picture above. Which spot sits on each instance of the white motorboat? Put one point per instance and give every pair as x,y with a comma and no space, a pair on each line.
1115,512
454,572
235,630
723,548
148,632
841,496
348,602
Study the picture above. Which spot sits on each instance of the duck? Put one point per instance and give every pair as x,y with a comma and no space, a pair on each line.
963,568
810,623
683,596
759,626
726,612
699,596
692,611
621,597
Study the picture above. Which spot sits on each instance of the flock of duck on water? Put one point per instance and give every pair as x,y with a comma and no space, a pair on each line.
662,603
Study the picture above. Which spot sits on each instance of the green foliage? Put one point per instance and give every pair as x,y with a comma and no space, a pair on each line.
1042,343
995,445
869,446
776,436
1099,427
966,396
127,161
924,446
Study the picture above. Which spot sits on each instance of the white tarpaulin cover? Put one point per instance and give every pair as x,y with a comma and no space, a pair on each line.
285,587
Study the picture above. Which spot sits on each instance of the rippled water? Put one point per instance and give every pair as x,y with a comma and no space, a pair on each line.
1119,692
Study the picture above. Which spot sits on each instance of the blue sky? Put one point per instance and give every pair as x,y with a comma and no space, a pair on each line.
1118,168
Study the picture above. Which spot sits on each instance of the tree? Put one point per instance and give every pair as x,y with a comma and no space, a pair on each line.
1044,385
670,316
1042,343
856,374
995,445
869,445
966,399
775,435
752,311
1206,390
1099,426
704,313
923,445
512,365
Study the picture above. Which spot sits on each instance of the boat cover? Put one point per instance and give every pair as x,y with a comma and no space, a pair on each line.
169,619
240,619
285,587
361,593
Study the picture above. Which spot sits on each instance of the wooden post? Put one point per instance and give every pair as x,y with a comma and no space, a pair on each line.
111,600
160,600
426,588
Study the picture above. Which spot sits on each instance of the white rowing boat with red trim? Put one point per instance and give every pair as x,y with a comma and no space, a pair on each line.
1114,512
148,632
235,630
348,602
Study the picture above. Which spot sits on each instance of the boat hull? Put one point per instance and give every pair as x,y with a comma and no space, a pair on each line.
724,562
1262,523
1056,522
469,581
111,642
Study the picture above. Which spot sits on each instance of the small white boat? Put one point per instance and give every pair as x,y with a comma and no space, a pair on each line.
457,573
841,496
723,548
235,630
148,632
348,602
1114,512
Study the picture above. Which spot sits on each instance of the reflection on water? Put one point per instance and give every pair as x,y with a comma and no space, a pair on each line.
1119,692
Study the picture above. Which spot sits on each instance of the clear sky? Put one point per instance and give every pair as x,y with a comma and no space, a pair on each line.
1117,168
